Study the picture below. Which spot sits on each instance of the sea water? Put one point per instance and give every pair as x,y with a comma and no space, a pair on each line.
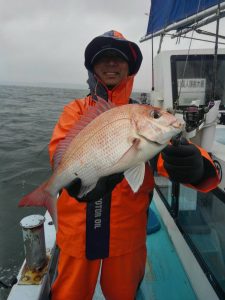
27,118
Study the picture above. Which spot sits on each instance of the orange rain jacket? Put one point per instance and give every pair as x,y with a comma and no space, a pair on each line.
128,216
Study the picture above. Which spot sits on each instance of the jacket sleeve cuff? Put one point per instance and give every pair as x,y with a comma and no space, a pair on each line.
210,179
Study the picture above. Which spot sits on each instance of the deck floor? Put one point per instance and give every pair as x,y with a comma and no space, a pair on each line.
165,277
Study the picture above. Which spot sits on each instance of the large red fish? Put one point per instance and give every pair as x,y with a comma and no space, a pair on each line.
107,140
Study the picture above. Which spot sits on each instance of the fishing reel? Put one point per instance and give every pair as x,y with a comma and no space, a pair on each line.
194,116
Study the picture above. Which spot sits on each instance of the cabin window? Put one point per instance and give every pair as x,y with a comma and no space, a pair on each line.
192,79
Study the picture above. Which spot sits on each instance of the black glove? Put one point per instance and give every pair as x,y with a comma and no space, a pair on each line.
104,186
183,162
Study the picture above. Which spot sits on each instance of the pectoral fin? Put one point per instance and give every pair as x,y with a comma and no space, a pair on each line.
135,176
85,190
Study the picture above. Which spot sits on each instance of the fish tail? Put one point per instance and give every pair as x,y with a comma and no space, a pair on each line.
41,197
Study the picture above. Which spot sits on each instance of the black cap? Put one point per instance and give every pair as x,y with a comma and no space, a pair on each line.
113,41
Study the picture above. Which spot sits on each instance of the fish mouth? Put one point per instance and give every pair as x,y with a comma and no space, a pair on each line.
166,136
177,124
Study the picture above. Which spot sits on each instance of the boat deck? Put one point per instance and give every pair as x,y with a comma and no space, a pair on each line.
165,276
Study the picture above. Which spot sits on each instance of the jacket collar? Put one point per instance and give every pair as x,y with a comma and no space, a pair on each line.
119,95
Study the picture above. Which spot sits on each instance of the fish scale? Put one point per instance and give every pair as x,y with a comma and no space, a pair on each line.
101,152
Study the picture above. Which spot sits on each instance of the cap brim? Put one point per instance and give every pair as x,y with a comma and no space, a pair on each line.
100,54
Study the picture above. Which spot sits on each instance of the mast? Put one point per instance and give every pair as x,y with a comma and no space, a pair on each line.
215,53
153,83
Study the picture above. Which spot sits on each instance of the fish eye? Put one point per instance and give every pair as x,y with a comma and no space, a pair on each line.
155,114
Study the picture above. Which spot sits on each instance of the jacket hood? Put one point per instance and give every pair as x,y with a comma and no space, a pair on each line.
113,40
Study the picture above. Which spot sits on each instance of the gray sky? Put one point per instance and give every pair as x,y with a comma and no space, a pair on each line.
43,41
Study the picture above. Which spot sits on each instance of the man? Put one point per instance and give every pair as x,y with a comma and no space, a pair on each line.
107,228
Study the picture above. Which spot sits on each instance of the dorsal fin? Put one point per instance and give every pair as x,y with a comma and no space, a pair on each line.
93,112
